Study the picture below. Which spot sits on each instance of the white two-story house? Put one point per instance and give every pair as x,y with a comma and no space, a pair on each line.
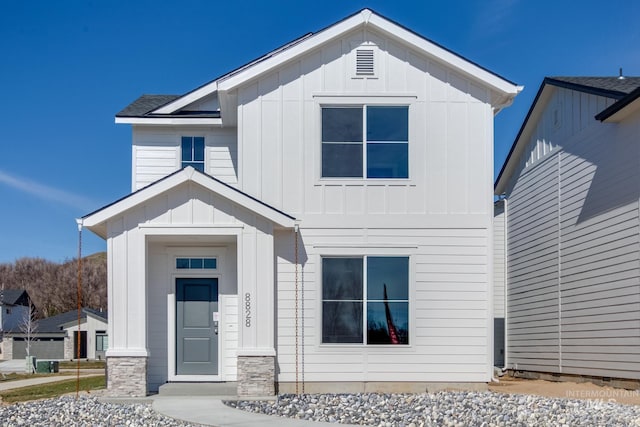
319,216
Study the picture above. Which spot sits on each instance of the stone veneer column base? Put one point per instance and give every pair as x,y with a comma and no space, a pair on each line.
127,376
256,375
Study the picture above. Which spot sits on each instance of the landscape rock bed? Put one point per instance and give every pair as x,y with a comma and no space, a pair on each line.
67,411
446,409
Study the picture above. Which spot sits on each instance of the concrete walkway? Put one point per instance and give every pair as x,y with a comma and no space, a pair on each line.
211,411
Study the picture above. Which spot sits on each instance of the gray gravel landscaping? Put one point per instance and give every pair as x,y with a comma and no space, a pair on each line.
447,409
67,411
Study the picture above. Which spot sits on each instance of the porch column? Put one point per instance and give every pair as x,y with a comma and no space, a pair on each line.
127,353
256,350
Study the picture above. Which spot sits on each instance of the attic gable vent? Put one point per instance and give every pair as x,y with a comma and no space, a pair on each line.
364,62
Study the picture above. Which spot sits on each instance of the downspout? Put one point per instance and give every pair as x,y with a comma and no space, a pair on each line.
506,287
79,336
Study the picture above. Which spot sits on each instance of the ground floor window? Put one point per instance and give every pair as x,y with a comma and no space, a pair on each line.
102,341
365,300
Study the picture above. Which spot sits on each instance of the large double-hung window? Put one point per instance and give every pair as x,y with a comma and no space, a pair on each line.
368,141
365,300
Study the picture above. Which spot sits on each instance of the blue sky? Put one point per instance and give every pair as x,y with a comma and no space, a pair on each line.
67,67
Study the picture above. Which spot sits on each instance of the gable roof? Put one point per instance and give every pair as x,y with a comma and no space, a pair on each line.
300,46
611,113
96,221
611,87
616,88
14,297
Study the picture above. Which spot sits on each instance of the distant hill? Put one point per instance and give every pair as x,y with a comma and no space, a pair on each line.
53,286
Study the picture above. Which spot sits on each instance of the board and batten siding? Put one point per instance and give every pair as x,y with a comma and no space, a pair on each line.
574,247
449,308
156,153
450,139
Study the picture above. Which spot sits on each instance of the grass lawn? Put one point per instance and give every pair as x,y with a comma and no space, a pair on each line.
16,377
84,364
45,391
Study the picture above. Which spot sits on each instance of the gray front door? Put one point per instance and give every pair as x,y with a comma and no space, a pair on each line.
196,331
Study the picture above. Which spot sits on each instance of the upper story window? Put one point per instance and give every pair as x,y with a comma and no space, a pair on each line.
193,152
365,300
365,142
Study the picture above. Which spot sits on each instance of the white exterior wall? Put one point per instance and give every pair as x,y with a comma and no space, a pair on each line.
188,220
450,139
156,153
90,325
573,245
441,216
449,312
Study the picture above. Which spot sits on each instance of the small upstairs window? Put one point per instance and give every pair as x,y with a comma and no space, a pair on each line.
193,152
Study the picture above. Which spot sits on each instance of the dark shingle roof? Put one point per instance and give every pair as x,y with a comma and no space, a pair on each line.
145,104
612,109
53,324
14,297
623,90
612,87
96,313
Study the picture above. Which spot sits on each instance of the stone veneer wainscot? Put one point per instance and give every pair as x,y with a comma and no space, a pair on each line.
127,376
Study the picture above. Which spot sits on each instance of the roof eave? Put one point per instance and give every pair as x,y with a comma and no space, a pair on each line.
209,121
365,17
96,221
621,109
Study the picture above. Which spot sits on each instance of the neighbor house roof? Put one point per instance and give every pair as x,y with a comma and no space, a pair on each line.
96,221
506,89
54,324
14,297
625,90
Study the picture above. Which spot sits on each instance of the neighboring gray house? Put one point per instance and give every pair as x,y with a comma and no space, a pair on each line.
571,190
56,337
13,305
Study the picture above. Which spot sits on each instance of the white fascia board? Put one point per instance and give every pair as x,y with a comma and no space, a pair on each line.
168,121
307,45
189,98
431,49
135,199
187,174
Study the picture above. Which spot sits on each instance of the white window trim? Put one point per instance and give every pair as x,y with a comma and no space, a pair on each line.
396,251
193,135
349,100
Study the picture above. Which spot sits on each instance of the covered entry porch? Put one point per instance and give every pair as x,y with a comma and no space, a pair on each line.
191,285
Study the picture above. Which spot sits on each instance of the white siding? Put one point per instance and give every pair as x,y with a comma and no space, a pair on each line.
450,139
156,153
449,322
573,246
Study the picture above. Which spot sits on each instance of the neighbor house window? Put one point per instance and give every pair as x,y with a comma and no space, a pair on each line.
193,152
365,141
365,300
102,341
196,263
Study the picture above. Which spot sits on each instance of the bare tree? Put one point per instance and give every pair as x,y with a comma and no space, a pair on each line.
29,327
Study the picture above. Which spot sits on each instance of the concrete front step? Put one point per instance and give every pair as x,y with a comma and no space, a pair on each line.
199,389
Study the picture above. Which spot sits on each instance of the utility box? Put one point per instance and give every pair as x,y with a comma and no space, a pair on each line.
47,366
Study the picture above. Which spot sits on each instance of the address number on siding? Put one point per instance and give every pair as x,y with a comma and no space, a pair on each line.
247,310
